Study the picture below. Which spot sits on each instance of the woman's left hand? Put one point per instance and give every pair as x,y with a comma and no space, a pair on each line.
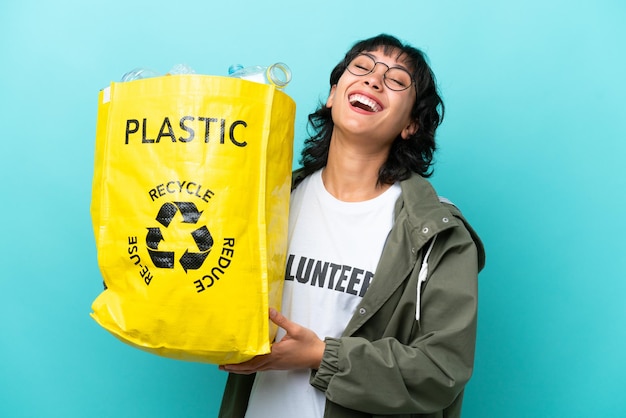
300,348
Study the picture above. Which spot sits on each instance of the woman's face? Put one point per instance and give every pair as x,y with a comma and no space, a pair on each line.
364,107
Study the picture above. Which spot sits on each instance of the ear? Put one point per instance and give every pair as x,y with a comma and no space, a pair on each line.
331,96
410,130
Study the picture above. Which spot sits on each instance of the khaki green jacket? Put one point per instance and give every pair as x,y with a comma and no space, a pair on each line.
387,363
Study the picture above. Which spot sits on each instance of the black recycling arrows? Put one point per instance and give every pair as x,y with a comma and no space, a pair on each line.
187,209
203,238
190,260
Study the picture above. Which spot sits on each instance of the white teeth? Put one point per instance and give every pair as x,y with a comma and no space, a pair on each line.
365,101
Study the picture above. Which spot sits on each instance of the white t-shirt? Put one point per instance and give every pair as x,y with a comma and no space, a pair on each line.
334,248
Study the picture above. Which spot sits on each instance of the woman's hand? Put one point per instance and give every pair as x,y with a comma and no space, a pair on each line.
300,348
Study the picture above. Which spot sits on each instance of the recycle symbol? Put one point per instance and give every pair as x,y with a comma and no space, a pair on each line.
190,260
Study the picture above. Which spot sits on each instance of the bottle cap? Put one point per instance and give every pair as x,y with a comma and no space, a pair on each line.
234,68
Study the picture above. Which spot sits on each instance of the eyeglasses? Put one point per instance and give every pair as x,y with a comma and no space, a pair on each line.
395,78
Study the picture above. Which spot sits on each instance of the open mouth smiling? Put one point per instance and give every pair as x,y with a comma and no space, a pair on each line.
365,103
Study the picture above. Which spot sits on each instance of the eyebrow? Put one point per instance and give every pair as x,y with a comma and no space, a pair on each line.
400,65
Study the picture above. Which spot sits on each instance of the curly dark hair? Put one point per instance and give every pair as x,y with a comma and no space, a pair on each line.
406,156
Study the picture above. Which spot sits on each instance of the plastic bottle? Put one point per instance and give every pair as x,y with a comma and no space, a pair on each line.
139,73
181,69
277,74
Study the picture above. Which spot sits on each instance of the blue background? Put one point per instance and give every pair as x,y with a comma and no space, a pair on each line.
531,149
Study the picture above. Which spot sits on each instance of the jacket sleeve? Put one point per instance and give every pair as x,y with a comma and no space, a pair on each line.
429,370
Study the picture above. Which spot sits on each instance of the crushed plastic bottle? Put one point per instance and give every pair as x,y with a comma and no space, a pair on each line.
181,69
139,73
278,74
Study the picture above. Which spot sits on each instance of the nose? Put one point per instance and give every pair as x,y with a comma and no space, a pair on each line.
375,79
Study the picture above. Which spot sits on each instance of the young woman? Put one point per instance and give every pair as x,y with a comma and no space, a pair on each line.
380,298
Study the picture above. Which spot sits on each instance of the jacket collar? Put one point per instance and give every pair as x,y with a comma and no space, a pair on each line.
426,215
429,214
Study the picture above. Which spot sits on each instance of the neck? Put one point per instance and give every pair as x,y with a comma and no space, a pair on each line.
351,176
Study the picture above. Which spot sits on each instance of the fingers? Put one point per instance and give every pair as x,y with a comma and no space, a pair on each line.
281,320
262,362
253,365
